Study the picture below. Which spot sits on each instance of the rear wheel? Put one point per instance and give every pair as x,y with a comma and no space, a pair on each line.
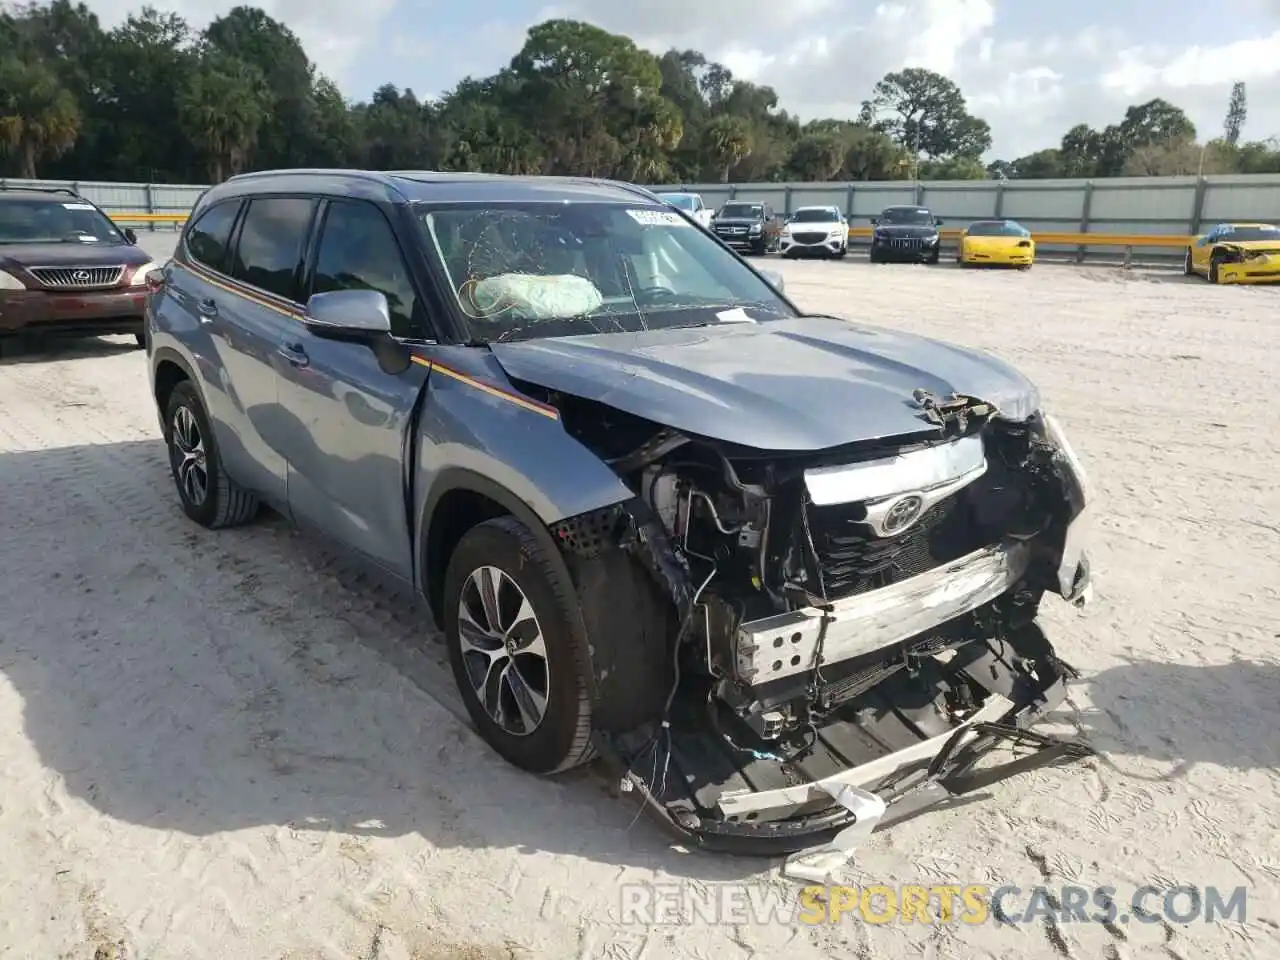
209,497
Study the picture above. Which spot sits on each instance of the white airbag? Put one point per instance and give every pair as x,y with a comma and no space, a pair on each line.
536,297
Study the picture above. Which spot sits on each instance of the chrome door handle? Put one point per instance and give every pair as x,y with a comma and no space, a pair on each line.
295,354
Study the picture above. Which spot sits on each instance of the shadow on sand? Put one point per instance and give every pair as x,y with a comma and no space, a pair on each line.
202,682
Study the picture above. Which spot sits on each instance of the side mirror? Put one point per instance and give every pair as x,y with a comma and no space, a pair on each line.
874,219
349,315
774,279
937,221
130,236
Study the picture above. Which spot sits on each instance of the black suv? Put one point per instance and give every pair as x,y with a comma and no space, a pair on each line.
65,268
748,225
905,234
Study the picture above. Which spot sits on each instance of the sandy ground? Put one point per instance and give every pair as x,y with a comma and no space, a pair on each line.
223,746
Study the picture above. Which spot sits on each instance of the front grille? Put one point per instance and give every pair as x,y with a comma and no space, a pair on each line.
731,231
77,278
854,561
906,243
809,237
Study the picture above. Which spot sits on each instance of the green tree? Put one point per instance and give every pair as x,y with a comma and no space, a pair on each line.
818,156
726,140
927,113
38,115
222,107
1237,112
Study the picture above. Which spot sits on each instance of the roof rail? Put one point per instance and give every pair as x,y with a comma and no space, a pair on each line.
6,185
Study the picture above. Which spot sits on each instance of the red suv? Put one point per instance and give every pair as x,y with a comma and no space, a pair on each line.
65,268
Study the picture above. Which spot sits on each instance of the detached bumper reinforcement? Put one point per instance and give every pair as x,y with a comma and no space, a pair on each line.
780,646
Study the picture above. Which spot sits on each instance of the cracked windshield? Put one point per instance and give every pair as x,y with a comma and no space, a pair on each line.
548,270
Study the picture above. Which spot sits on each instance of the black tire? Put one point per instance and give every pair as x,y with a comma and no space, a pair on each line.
224,503
562,737
1187,270
140,339
1215,260
873,256
842,253
933,257
611,611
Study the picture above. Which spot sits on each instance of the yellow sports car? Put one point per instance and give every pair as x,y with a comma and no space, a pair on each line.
1236,253
997,242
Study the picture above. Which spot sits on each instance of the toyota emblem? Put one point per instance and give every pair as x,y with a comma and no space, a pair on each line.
80,276
902,513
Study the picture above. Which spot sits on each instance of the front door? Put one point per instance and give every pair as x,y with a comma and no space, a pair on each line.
350,416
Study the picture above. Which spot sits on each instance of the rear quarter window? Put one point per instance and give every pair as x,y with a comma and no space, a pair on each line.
209,237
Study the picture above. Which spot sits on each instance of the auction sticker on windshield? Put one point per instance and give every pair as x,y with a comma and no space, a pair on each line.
658,218
78,206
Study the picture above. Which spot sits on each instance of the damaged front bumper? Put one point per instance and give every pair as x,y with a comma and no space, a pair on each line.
1250,269
904,743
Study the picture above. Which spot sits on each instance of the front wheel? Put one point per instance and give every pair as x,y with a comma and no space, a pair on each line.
1215,261
1187,269
518,658
209,497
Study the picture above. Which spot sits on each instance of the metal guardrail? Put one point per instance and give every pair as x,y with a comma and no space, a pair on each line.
128,217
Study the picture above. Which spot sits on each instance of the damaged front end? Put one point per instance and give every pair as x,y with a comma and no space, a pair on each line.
850,624
1240,263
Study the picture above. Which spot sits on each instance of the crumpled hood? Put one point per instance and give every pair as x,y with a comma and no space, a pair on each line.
788,385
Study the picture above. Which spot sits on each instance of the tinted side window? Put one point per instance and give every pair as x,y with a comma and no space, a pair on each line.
269,249
358,251
208,237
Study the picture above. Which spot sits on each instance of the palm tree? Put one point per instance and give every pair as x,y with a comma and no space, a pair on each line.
38,116
727,140
222,109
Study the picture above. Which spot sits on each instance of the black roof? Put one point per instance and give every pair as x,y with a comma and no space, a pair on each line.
410,186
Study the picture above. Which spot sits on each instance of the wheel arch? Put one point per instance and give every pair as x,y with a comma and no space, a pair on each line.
168,369
458,500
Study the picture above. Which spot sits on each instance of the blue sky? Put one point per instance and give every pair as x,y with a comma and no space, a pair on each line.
1030,69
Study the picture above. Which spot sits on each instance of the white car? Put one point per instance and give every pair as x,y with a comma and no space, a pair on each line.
690,203
815,231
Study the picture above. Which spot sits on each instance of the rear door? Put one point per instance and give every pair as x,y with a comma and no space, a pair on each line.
351,411
187,314
249,317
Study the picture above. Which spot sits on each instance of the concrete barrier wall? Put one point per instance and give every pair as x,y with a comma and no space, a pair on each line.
1161,206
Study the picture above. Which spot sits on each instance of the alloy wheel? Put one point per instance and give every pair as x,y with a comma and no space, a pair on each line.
503,651
190,460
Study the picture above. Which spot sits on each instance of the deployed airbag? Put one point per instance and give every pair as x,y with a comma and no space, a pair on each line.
535,296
